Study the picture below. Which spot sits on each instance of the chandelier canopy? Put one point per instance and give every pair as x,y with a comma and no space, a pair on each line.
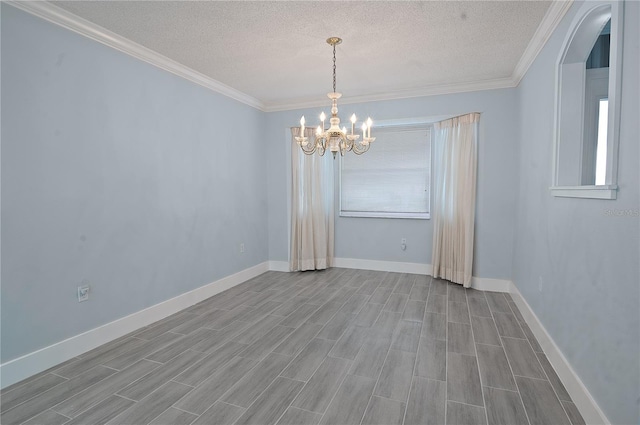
334,138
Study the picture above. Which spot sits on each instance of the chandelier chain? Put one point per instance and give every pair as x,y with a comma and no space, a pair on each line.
334,68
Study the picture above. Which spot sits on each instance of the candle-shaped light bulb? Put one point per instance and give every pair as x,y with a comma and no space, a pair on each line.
364,131
353,122
318,131
322,118
369,122
344,130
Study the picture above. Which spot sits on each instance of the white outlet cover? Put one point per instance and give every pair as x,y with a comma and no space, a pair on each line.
83,293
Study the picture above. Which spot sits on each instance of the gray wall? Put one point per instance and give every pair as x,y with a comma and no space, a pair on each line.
119,173
585,259
379,239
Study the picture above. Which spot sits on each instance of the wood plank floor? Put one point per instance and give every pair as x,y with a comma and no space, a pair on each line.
337,347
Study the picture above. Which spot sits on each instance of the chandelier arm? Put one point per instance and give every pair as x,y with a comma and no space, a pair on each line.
359,149
309,149
311,152
361,152
344,144
356,146
349,144
321,144
321,149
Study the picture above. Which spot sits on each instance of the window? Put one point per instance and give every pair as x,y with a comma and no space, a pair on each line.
392,179
596,115
601,144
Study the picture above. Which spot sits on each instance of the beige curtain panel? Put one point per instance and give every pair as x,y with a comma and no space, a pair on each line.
312,216
455,166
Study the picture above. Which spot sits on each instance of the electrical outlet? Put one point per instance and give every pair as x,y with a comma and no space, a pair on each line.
242,248
83,293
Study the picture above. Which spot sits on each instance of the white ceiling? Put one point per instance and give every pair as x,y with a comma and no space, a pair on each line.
275,51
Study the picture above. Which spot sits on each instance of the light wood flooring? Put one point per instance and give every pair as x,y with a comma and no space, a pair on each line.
336,347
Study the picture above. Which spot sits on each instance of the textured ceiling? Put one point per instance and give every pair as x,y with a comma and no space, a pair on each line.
275,51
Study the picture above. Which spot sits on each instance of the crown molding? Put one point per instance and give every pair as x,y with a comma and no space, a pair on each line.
433,90
70,21
550,21
547,26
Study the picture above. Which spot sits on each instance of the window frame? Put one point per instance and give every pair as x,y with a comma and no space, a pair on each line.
395,215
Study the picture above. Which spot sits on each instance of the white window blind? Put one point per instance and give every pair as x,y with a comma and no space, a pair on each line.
392,179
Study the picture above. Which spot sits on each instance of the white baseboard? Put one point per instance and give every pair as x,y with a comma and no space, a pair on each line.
22,367
279,266
489,284
591,412
385,266
481,283
18,369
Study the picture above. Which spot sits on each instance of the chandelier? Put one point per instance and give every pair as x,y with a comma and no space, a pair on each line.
335,138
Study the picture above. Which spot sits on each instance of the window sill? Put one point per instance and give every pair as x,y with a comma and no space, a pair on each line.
362,214
591,192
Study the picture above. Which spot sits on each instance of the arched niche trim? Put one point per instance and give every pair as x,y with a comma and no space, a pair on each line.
577,123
